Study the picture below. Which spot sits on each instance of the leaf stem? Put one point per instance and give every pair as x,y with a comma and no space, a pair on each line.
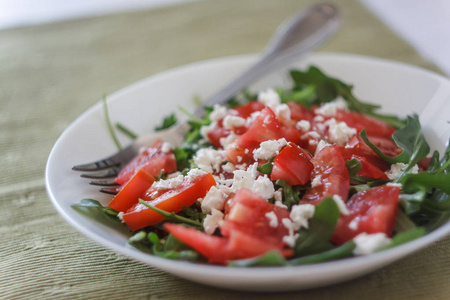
108,123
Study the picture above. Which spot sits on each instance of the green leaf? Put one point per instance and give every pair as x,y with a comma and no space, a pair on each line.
109,124
343,251
168,122
267,167
270,259
105,215
353,165
415,182
290,193
410,139
405,237
316,238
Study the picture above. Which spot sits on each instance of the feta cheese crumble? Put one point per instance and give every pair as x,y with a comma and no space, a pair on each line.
209,160
230,122
316,181
395,170
283,112
219,112
269,98
370,243
212,221
341,205
273,220
171,183
329,109
300,215
303,125
269,149
214,199
339,132
166,147
194,173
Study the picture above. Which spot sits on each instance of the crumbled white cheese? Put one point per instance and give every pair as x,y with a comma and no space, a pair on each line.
228,167
348,146
263,186
166,147
222,181
415,169
120,216
283,112
269,98
209,159
313,134
252,118
322,144
292,236
194,173
341,205
319,118
245,178
266,120
273,220
395,170
173,175
225,142
369,243
212,221
300,214
269,149
171,183
214,199
329,109
313,142
317,180
303,125
230,122
353,225
339,132
204,130
396,184
219,112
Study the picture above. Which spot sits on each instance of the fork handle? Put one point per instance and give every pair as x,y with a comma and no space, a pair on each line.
298,36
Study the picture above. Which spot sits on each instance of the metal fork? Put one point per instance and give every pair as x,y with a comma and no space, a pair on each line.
300,35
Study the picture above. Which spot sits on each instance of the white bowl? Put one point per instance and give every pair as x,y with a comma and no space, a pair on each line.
401,89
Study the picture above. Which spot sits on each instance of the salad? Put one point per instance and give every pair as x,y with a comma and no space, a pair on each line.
283,177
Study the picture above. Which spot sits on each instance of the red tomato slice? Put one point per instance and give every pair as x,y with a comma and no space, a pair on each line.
359,121
213,247
245,110
171,200
369,170
216,134
132,191
329,164
246,230
152,159
292,164
371,211
266,127
299,112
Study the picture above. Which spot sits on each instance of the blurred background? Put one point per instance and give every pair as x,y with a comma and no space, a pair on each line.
423,24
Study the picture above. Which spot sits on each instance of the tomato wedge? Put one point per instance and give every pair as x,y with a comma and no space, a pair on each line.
266,127
373,126
131,192
292,164
331,172
170,200
371,211
246,231
152,159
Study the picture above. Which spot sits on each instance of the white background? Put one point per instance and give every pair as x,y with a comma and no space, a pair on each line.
424,24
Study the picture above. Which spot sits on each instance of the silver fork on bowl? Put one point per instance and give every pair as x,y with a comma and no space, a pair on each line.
298,36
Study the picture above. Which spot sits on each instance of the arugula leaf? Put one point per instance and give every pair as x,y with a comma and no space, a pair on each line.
410,139
316,238
105,215
343,251
270,259
415,182
290,193
168,122
404,237
267,167
168,247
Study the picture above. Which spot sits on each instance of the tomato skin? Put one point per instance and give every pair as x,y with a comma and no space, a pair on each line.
372,210
359,121
216,134
299,112
246,231
245,110
329,164
132,190
213,247
266,127
292,164
173,200
152,159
